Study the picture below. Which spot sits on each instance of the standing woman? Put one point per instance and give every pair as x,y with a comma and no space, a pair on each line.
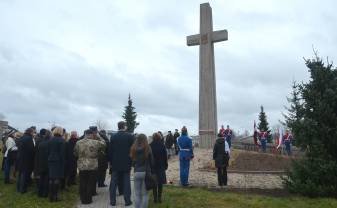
71,160
160,165
10,155
221,154
56,163
141,156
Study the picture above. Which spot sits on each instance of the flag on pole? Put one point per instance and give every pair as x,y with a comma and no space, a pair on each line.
280,140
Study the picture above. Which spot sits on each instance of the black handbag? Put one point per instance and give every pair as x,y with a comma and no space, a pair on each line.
150,178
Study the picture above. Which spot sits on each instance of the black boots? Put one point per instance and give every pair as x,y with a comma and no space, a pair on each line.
157,192
53,190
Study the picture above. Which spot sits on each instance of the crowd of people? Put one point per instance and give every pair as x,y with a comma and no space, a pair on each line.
53,159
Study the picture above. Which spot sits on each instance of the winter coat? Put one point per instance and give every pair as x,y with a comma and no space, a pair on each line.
56,157
103,158
220,156
119,150
185,147
169,141
25,157
160,161
37,140
71,160
87,151
42,156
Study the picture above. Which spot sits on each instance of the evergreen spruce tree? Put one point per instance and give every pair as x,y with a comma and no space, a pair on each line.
316,133
263,124
294,112
130,116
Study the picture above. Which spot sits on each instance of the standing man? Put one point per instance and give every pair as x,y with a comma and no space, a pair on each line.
228,136
287,141
185,156
169,141
263,140
120,163
25,160
176,136
103,160
87,151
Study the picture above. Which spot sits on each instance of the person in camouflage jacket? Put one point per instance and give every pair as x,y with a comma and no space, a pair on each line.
87,151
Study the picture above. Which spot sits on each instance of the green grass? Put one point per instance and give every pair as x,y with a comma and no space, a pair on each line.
196,197
9,198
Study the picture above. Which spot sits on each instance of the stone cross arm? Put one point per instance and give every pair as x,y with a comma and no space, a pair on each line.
217,36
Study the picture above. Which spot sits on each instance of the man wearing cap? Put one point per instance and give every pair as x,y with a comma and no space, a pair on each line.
87,151
185,156
287,141
11,150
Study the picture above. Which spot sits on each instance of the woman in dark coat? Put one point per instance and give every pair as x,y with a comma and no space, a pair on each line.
71,160
221,153
160,165
25,160
56,162
42,164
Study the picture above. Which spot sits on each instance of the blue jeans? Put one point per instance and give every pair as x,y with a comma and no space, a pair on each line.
184,171
126,186
141,196
7,169
288,147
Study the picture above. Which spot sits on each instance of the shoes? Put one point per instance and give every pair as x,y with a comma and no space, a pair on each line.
102,186
128,204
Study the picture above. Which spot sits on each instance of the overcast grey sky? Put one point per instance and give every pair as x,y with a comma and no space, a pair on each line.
72,62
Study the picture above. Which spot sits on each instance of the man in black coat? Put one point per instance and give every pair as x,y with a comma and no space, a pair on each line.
25,160
103,161
176,136
42,164
120,162
169,141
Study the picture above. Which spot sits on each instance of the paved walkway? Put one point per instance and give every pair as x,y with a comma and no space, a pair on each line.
102,200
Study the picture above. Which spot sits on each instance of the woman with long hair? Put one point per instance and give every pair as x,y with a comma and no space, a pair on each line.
141,156
56,162
160,165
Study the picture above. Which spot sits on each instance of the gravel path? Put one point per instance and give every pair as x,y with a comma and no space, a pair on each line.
200,177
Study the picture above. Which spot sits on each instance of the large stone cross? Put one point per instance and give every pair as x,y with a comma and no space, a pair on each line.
207,82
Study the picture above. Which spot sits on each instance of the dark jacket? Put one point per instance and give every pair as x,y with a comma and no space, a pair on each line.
37,139
119,151
42,156
56,157
160,160
70,159
219,154
26,153
103,158
169,141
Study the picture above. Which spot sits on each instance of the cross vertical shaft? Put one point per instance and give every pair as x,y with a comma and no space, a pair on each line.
207,81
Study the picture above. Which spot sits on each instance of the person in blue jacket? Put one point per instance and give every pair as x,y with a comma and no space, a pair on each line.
185,155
